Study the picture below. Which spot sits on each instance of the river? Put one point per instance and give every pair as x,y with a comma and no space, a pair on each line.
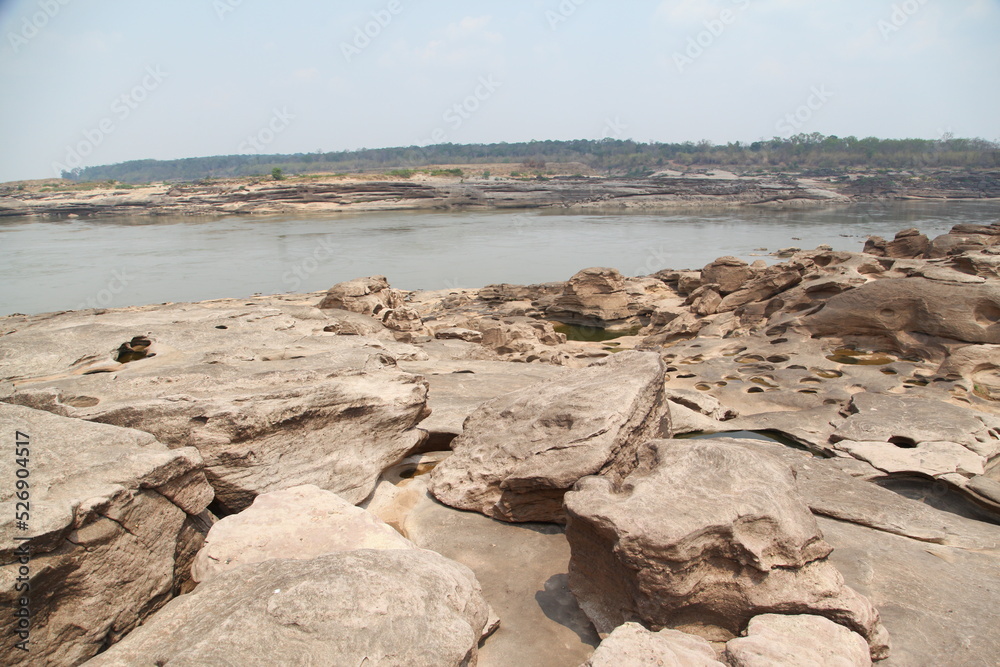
113,262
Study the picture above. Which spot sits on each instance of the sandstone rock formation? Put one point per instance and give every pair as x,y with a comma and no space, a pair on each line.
908,244
890,307
112,521
632,645
888,422
403,607
907,421
302,522
738,541
373,296
520,452
520,336
299,421
593,296
729,274
270,400
340,194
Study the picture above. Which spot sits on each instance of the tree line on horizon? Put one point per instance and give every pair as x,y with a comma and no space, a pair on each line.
610,156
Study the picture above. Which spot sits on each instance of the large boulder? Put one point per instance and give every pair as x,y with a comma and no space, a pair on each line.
712,536
781,640
319,420
373,296
907,244
632,645
368,296
301,523
593,296
931,573
728,273
764,285
520,452
402,607
112,519
967,313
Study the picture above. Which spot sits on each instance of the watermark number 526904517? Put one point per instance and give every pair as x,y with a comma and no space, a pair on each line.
22,552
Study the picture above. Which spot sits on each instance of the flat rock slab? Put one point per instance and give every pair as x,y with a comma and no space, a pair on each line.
260,329
632,645
404,607
940,604
258,385
113,520
522,569
301,522
927,458
259,426
910,420
458,387
519,453
780,640
932,574
713,535
831,492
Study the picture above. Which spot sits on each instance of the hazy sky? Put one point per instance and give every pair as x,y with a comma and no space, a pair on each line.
102,82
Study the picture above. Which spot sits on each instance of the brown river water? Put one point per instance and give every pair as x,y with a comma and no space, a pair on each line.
113,262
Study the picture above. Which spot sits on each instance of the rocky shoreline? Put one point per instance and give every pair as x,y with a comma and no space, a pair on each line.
332,194
744,465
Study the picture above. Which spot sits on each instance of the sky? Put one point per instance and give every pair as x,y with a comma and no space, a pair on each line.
90,83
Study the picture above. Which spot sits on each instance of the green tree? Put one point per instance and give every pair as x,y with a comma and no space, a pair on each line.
277,175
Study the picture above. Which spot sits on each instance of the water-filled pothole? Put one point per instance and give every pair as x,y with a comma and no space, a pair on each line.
848,355
749,359
414,466
594,334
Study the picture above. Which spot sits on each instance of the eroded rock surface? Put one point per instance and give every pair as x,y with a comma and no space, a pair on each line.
259,428
879,362
595,295
739,541
519,453
113,519
887,308
268,397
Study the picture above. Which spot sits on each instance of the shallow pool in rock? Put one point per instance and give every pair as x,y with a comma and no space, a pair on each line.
593,334
766,436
